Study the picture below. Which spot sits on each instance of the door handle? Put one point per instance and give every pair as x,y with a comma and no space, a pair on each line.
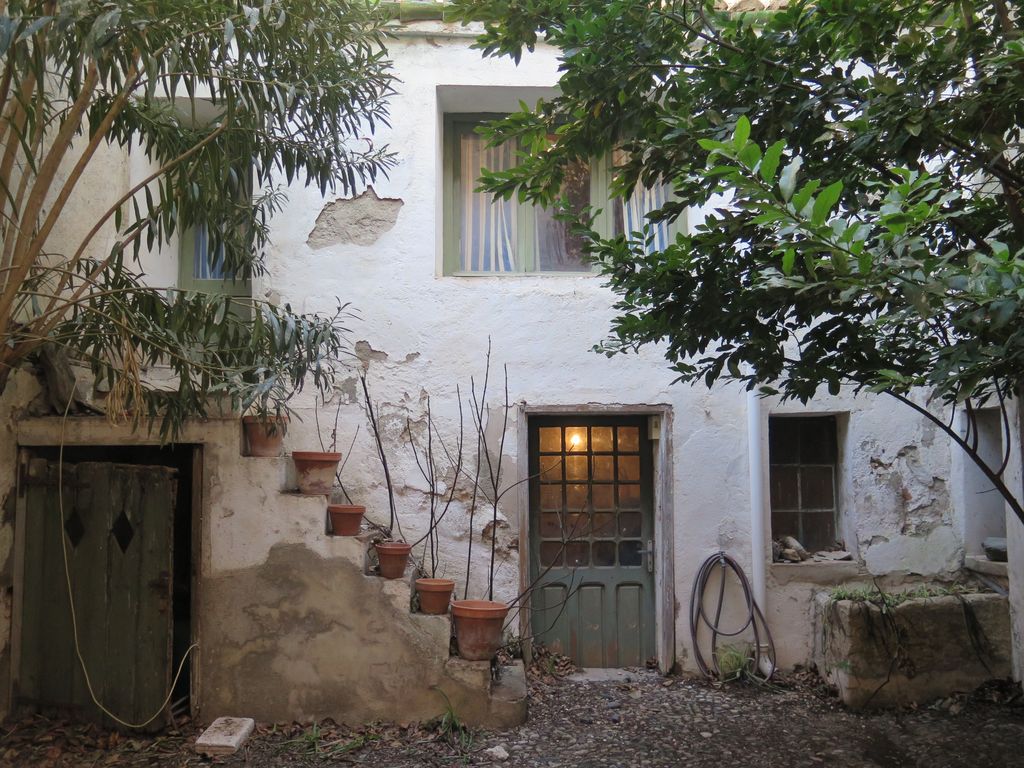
648,553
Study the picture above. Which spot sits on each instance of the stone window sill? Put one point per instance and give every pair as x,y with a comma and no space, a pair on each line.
816,573
980,564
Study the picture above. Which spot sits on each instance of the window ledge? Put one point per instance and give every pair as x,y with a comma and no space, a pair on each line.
521,275
981,564
822,573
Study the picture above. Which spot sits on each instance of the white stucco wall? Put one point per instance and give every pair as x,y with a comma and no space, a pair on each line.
420,334
429,332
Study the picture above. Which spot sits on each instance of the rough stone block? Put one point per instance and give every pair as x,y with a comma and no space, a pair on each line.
508,704
941,645
225,735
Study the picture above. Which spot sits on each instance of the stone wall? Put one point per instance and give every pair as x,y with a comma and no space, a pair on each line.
914,652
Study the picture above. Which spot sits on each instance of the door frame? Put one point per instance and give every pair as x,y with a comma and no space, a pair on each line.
659,429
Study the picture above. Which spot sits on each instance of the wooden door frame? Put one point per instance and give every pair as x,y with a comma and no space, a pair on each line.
659,426
26,450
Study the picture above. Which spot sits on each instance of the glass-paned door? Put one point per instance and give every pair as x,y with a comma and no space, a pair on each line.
592,539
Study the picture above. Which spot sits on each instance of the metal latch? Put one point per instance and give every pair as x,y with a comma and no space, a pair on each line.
649,554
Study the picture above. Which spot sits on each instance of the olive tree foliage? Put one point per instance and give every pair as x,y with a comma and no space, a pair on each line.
861,168
227,102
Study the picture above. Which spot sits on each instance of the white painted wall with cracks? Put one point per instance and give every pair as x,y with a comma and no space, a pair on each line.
419,334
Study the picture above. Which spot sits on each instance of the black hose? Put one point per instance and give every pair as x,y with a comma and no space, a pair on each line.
754,621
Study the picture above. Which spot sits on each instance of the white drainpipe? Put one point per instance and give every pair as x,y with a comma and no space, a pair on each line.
758,540
758,532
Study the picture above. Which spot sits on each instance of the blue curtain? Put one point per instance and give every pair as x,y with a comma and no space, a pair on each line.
634,217
204,267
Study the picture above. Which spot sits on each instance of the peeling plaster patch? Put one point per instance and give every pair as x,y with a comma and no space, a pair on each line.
368,354
360,220
411,357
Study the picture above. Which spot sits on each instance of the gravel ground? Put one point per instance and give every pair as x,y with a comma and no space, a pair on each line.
639,720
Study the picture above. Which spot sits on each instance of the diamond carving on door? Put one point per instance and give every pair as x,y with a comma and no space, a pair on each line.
591,537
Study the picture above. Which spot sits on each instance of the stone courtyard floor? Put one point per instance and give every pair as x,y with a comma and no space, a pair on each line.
636,719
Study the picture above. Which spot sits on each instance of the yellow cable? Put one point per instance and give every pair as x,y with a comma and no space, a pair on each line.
71,599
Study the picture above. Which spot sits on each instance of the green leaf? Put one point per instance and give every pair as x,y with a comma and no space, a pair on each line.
742,133
229,31
770,161
827,199
788,260
787,181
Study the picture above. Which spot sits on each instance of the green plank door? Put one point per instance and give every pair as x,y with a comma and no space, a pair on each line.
116,523
591,537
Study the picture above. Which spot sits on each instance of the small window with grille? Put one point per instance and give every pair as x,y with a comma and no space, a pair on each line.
803,454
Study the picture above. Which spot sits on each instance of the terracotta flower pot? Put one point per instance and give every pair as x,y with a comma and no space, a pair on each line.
315,471
345,518
478,625
393,556
435,594
264,437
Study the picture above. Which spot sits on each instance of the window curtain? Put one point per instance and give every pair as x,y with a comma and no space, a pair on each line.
204,267
634,217
488,232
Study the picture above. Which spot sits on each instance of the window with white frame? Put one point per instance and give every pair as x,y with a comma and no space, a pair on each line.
484,235
803,454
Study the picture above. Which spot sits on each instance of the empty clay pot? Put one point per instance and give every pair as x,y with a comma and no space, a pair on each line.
345,518
264,437
393,556
435,594
315,471
478,625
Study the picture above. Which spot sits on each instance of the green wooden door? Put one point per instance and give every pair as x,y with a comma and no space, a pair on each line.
116,523
591,539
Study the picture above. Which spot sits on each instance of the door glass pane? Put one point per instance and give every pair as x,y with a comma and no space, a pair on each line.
551,553
577,526
629,469
601,438
575,498
629,439
604,525
576,468
550,439
603,496
577,554
551,526
551,498
783,481
603,552
550,468
629,496
630,524
604,468
629,553
576,439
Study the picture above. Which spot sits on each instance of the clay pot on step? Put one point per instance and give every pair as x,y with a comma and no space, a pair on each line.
392,556
264,437
346,519
478,625
435,594
315,471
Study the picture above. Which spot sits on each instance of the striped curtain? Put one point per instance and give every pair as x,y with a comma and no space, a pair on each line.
488,231
203,267
634,217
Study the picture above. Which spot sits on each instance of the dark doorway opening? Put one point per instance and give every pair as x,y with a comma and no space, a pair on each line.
183,460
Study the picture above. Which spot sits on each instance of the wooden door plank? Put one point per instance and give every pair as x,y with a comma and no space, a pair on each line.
34,584
88,577
155,619
58,670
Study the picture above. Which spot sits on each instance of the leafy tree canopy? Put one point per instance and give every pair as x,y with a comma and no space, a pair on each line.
227,101
860,164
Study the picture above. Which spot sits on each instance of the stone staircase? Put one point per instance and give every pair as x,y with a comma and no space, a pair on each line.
297,628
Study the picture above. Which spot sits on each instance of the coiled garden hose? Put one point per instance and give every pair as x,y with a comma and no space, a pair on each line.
764,647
